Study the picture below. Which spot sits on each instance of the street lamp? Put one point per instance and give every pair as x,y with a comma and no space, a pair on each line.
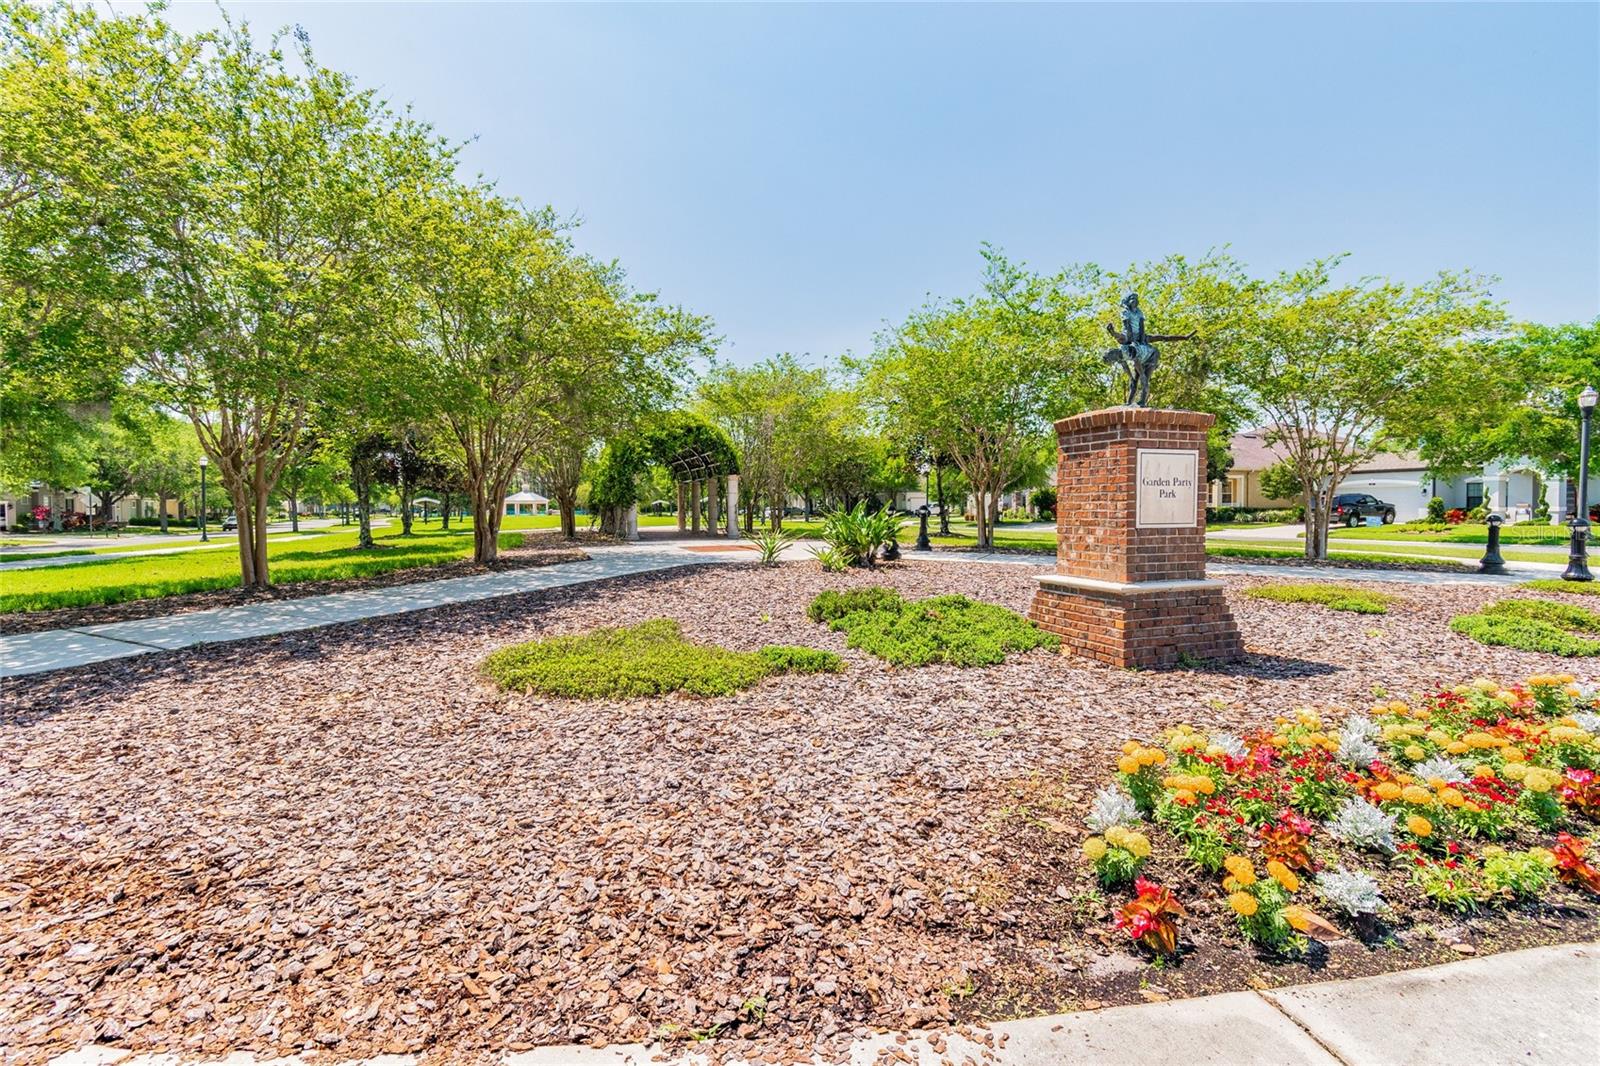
204,462
1578,558
923,544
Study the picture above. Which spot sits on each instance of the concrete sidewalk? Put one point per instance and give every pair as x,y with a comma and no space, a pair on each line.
56,649
1540,1006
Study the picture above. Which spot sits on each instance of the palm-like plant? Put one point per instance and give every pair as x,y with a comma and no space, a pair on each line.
770,543
859,534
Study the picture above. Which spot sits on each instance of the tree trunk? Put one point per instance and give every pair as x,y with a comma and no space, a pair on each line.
444,510
363,487
406,491
944,512
161,501
486,508
567,501
294,509
982,512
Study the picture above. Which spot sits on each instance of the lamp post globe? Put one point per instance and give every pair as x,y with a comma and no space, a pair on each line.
1578,553
204,535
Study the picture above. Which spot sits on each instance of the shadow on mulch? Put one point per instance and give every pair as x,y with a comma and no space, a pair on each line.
1263,667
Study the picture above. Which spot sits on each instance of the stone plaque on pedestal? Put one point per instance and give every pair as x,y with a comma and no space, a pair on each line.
1130,586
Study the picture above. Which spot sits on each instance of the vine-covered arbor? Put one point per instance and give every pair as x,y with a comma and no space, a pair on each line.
704,469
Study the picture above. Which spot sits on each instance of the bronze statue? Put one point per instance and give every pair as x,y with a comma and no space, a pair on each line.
1135,352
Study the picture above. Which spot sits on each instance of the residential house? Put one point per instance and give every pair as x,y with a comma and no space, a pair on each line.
1512,488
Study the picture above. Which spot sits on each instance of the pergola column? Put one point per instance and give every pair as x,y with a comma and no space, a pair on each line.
713,510
733,505
682,518
694,506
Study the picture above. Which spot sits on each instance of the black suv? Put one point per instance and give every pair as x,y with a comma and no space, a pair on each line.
1351,507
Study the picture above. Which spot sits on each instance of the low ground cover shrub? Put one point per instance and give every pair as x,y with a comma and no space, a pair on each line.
1467,798
1555,584
1334,597
648,659
940,629
1533,625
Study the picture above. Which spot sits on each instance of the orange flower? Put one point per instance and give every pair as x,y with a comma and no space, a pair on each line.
1243,904
1297,917
1419,826
1283,875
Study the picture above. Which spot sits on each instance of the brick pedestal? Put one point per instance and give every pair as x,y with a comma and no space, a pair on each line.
1130,586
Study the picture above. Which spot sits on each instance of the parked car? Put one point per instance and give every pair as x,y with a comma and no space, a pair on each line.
230,524
1352,507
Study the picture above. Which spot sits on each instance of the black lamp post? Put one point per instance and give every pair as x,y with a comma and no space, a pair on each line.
204,462
1578,557
923,544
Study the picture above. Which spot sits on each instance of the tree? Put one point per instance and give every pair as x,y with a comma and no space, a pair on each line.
1281,480
772,411
979,380
257,265
1341,371
1525,405
169,463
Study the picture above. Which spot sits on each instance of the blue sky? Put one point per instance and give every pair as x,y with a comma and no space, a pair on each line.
804,173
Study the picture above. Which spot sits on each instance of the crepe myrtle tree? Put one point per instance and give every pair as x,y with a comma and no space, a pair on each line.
1339,371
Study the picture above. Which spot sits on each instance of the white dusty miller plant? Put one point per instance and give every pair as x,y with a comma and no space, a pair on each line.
1231,745
1440,768
1589,723
1363,825
1354,893
1358,740
1111,807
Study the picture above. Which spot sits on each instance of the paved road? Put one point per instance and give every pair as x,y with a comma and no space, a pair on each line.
1539,1006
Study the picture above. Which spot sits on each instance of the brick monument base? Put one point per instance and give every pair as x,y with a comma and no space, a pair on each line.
1130,586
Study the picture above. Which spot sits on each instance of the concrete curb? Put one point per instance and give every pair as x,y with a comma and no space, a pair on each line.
1539,1006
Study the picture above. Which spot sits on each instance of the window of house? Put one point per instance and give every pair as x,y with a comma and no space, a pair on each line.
1230,491
1474,494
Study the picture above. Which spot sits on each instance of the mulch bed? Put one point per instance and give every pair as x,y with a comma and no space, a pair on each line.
533,553
345,840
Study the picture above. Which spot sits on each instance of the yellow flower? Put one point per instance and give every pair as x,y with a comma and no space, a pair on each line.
1243,903
1094,849
1451,797
1309,719
1398,706
1481,740
1419,826
1456,747
1241,869
1540,780
1438,736
1152,757
1183,797
1416,794
1139,844
1128,764
1130,747
1483,772
1415,753
1283,875
1206,785
1297,917
1393,732
1513,754
1483,684
1515,771
1473,807
1387,791
1116,835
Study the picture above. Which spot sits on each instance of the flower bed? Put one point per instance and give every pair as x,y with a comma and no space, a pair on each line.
1470,798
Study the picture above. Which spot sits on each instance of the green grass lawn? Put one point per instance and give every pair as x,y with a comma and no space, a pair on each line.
1234,550
326,557
218,538
1465,533
1412,550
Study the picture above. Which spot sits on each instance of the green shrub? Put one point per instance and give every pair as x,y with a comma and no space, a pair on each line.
648,659
771,542
1334,597
790,659
858,534
834,604
942,629
1436,509
1524,634
1555,584
1564,615
1522,874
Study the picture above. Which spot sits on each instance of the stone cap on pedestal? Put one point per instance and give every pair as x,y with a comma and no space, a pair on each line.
1144,416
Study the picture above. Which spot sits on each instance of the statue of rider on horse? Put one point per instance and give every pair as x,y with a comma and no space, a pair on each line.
1136,351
